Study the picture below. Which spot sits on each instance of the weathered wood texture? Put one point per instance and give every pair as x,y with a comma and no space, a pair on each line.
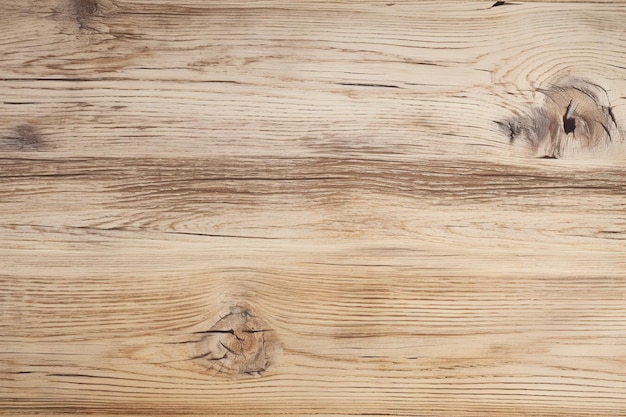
312,208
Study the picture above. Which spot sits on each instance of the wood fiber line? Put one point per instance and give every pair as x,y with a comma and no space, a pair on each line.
312,208
241,177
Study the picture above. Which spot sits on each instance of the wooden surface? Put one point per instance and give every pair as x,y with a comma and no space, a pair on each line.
312,208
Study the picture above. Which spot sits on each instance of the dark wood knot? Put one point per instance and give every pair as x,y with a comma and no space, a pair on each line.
574,116
22,138
89,6
84,10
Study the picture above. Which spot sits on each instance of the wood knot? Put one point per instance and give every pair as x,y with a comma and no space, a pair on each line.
573,116
84,9
89,6
240,343
23,138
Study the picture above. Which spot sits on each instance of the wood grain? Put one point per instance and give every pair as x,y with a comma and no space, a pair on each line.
312,208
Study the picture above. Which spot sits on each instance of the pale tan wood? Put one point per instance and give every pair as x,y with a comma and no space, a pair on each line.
307,208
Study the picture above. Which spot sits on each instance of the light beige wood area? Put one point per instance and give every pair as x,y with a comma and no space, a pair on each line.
318,208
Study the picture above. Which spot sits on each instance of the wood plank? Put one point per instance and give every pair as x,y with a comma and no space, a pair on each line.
231,76
312,208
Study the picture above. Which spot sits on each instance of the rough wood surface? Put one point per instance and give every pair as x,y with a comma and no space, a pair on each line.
312,208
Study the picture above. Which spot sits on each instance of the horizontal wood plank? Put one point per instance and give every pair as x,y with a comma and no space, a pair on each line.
312,208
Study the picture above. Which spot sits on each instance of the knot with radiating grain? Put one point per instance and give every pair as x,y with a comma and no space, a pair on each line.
574,116
239,343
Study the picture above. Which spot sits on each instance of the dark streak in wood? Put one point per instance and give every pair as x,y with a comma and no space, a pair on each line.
219,235
369,85
189,184
73,375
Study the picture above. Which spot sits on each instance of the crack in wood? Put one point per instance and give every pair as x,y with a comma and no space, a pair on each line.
369,85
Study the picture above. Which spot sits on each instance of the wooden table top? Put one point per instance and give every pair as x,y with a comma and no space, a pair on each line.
320,208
